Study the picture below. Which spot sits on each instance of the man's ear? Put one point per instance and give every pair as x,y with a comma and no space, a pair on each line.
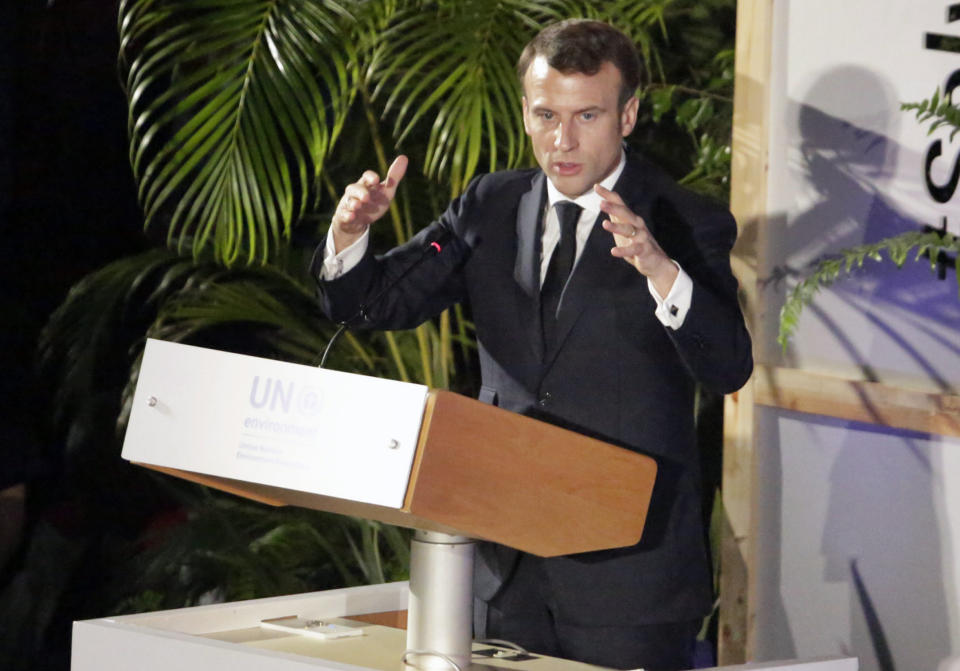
628,116
526,126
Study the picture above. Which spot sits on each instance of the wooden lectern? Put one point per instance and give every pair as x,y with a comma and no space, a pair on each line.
435,461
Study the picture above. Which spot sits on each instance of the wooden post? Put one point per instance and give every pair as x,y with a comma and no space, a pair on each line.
748,202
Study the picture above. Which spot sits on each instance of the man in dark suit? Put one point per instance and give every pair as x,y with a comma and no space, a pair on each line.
602,316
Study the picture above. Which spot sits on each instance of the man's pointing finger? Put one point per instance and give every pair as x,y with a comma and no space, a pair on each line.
396,172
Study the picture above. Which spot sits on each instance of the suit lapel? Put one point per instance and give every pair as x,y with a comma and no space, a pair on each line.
526,269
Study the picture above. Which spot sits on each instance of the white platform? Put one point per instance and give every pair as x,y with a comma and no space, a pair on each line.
227,637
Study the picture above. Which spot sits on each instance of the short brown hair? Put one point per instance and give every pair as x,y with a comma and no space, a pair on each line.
584,45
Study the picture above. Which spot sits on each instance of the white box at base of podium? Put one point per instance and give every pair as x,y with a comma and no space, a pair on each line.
227,637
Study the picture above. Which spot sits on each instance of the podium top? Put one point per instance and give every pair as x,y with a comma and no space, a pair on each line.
476,470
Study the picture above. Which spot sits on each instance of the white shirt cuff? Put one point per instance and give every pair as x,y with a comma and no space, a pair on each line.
335,265
672,310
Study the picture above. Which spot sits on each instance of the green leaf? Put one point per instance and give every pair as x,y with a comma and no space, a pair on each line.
940,109
827,271
453,66
233,106
662,101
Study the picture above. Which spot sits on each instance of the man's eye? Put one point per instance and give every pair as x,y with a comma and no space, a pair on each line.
546,116
588,116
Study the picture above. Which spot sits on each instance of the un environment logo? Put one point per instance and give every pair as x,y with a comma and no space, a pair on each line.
285,396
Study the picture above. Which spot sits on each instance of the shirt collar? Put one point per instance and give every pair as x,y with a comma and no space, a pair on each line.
589,200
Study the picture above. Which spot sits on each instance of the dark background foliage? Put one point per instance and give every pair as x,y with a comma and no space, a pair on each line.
67,206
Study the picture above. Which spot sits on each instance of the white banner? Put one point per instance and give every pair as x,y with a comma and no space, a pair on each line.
838,128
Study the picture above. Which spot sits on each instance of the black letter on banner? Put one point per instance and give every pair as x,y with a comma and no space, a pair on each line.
944,193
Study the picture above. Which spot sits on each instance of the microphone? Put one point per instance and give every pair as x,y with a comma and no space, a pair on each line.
429,250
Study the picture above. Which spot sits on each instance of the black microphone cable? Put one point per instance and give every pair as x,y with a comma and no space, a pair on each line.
430,250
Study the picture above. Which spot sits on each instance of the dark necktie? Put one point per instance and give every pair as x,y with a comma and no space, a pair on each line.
558,270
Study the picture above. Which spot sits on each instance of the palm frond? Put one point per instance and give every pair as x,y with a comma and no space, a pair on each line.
100,316
644,21
266,301
938,110
259,310
233,105
225,549
931,244
451,64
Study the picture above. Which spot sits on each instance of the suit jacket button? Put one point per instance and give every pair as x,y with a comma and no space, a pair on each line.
545,398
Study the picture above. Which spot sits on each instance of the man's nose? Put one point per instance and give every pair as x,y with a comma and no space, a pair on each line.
566,138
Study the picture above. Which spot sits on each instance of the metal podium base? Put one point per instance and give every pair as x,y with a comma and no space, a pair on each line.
440,613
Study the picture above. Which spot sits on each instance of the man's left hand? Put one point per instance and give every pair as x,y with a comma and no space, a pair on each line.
635,244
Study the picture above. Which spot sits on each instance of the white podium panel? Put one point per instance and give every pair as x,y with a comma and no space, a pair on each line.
227,637
275,423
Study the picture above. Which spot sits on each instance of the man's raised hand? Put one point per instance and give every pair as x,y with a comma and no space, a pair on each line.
634,243
365,201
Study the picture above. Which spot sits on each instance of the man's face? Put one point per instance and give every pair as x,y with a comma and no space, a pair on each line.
574,123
